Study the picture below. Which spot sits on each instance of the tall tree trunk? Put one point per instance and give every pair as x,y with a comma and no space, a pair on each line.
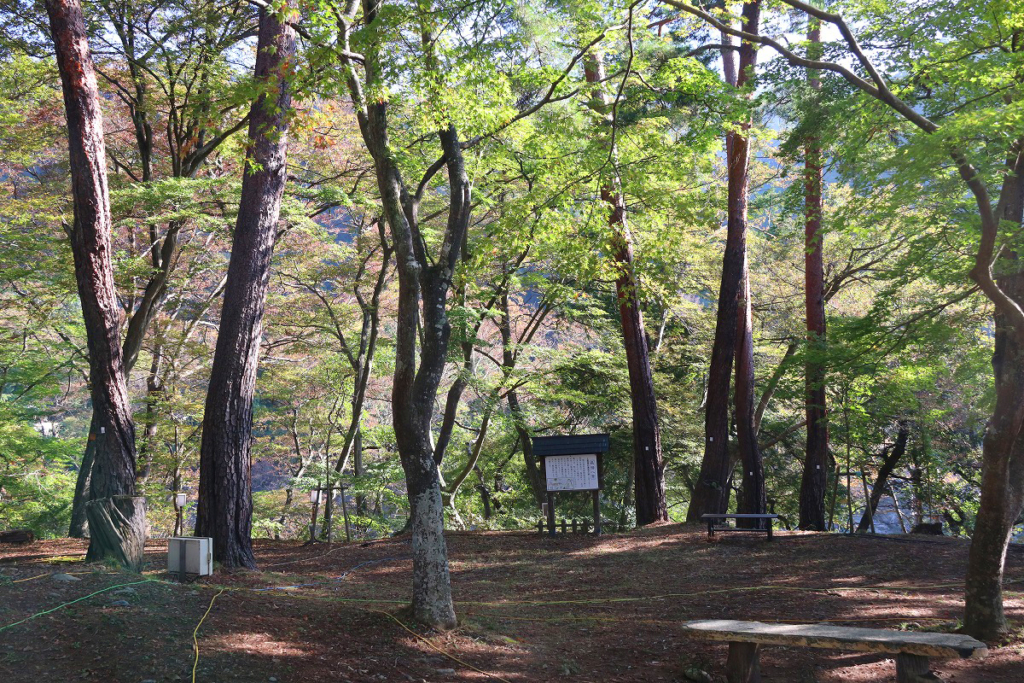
125,22
754,499
421,280
649,480
891,458
225,464
814,482
79,527
1002,474
711,492
113,468
154,389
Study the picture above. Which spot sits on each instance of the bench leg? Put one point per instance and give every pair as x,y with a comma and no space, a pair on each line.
711,529
913,669
743,665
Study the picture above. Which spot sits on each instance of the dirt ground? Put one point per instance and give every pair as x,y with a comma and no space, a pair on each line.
531,608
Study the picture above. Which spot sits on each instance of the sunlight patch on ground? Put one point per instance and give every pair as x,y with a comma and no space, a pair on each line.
254,643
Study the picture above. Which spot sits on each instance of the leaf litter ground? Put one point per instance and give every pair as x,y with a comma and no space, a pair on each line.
531,608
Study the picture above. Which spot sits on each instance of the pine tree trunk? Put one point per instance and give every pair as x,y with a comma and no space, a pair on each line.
113,437
118,526
711,491
1002,473
225,486
649,481
814,482
358,469
754,499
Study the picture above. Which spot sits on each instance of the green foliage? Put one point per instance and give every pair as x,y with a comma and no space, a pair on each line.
908,342
36,475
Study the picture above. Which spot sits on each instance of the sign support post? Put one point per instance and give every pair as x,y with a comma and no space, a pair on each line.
551,513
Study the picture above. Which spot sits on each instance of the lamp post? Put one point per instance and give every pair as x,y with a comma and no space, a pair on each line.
179,508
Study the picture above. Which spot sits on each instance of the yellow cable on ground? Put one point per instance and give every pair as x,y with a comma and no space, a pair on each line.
434,647
195,634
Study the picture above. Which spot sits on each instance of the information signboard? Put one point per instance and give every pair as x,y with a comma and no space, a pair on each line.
571,463
571,472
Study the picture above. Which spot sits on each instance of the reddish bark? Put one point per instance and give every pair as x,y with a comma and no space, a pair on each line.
113,434
732,328
225,487
113,471
649,480
814,482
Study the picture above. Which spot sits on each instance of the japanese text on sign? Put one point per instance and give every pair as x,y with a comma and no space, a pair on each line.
571,472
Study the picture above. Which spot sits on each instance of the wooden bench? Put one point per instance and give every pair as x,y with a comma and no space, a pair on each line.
712,518
912,650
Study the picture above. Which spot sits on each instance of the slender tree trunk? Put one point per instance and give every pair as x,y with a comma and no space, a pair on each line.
835,498
154,388
1002,473
113,468
420,281
362,366
474,450
891,458
711,492
508,359
225,486
814,482
485,493
869,514
649,480
358,469
79,524
754,499
534,475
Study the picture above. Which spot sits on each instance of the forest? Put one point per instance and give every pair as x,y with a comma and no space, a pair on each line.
313,274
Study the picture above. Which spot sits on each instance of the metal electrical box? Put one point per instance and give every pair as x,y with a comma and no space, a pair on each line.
190,555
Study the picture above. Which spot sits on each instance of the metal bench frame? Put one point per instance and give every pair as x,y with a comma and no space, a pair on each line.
711,518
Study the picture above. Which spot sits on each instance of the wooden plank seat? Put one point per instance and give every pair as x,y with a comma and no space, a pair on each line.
912,650
768,519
